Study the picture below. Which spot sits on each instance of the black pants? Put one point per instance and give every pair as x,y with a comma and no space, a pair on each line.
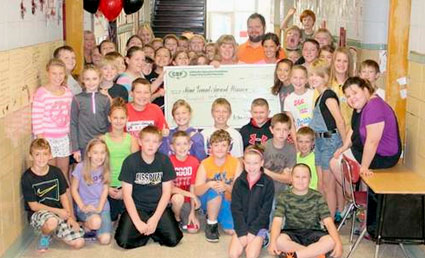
167,232
117,207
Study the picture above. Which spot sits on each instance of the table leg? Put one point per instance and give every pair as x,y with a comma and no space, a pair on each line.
404,250
376,250
380,223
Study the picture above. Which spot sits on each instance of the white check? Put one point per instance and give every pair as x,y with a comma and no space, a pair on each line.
201,85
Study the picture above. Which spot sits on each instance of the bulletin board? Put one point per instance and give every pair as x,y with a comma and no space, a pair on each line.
22,70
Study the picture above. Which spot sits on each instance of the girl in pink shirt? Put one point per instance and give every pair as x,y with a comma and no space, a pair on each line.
51,114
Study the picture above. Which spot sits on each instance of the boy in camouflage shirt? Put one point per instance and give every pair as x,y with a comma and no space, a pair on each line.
303,210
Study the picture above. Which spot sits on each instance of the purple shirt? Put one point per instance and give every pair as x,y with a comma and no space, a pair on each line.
376,111
90,194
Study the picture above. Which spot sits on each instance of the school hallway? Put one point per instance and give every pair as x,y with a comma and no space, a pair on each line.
195,245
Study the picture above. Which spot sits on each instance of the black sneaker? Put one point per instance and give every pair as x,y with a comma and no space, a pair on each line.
288,255
211,232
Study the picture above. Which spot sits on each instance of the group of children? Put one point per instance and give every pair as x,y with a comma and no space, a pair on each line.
152,180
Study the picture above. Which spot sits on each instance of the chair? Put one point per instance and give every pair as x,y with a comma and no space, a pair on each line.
357,200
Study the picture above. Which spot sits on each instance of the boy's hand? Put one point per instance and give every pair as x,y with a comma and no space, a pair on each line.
196,201
337,252
152,224
193,220
63,214
292,11
220,187
73,224
77,156
273,248
142,227
113,192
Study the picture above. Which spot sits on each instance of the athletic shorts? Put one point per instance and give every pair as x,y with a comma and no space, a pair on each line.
225,214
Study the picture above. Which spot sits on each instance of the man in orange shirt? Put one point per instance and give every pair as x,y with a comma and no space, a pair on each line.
252,51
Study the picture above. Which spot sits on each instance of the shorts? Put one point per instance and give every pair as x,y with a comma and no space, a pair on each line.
60,146
325,149
225,214
105,216
304,237
63,231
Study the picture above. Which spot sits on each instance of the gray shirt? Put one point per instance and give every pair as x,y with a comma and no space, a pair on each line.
278,159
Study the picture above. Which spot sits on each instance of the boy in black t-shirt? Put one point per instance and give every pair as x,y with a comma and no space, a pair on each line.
146,182
44,189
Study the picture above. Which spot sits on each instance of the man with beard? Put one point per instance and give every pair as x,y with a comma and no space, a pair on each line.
252,51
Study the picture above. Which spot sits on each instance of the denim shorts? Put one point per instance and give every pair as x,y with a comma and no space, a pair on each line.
225,214
105,216
325,149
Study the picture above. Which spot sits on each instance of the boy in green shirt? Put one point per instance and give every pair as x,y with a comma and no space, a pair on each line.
305,142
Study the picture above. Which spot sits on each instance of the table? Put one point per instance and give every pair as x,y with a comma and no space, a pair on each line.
391,182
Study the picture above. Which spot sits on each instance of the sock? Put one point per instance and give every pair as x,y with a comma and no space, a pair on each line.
211,222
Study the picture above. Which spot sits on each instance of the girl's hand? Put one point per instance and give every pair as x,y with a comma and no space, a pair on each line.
338,152
215,63
365,172
193,220
77,156
244,240
250,237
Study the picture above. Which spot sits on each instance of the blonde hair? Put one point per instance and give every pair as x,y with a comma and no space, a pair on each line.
347,53
108,60
87,168
226,39
59,63
87,68
320,67
221,102
146,26
254,149
180,103
150,129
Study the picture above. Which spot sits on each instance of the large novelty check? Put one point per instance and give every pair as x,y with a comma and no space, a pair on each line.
201,85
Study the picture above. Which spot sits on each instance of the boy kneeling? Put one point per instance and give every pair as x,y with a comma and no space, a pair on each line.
49,208
146,178
303,209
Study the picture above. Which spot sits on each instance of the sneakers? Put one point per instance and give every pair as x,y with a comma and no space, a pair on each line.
90,235
337,217
211,232
43,243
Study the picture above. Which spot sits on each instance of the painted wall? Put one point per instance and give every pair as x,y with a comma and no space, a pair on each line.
415,116
25,45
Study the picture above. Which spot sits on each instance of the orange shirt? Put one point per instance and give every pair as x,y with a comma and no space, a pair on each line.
251,55
225,172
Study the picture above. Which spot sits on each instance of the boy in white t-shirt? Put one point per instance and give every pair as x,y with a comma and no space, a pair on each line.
221,111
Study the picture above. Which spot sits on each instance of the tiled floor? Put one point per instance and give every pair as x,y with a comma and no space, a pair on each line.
195,246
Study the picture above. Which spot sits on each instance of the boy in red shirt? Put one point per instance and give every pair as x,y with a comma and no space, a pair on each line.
183,200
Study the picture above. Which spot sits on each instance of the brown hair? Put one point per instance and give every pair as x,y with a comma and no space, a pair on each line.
255,149
150,129
90,67
277,83
370,63
305,131
306,13
40,144
59,63
220,135
301,165
58,50
361,83
141,81
281,118
118,103
87,168
180,134
171,36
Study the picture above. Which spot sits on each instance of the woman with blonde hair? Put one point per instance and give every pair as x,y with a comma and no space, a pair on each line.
226,50
145,32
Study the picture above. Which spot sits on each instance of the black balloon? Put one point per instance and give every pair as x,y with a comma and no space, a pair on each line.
132,6
91,5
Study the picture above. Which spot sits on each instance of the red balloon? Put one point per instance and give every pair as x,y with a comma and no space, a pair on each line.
110,8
